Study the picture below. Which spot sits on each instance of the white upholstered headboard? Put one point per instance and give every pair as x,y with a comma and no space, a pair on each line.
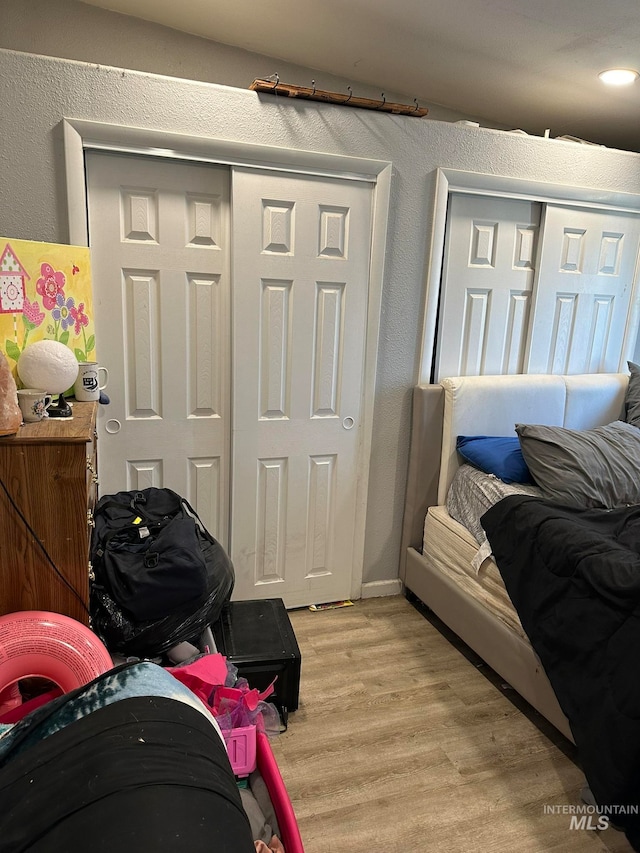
492,405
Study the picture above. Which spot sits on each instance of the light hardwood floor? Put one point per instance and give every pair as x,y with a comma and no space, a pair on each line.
403,743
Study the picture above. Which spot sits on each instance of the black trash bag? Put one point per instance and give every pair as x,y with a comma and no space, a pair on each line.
159,576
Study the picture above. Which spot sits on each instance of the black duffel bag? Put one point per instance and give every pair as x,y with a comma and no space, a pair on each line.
159,576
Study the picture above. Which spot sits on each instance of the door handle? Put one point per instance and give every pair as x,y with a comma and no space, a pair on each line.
348,423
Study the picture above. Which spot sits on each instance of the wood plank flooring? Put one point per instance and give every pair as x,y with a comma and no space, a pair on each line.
405,741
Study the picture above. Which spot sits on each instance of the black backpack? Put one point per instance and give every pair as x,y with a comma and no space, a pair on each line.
159,576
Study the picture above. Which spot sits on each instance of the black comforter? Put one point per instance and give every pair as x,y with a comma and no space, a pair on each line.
574,578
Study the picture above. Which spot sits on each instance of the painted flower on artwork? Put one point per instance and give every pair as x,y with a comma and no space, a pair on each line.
62,312
32,317
81,322
32,313
79,317
49,285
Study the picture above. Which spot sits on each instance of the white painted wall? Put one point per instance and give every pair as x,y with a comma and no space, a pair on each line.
37,92
70,29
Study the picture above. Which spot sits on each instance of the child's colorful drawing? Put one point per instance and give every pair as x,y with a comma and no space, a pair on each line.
45,293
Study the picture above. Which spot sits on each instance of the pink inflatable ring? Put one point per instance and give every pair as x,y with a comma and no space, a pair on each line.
36,643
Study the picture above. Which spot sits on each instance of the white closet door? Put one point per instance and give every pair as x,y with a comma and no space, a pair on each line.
584,313
159,236
301,249
487,280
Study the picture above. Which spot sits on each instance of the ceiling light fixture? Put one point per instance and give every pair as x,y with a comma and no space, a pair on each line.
618,76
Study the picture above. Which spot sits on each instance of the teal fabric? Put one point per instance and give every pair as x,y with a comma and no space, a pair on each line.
141,678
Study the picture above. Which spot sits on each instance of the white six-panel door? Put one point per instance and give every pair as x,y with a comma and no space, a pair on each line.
301,249
487,282
586,281
159,235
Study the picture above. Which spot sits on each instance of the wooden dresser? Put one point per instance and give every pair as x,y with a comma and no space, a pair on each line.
49,471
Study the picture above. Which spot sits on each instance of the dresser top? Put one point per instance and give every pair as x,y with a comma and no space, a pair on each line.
78,429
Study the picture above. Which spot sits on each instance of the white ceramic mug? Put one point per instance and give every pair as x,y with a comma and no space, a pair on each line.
87,386
33,404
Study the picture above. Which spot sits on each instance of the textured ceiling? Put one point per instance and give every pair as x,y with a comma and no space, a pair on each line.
529,64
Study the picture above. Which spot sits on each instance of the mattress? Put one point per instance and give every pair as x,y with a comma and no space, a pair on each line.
451,549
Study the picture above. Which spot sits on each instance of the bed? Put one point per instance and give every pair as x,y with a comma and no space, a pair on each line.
542,579
441,560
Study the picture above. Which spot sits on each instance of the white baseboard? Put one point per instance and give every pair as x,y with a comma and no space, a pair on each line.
376,589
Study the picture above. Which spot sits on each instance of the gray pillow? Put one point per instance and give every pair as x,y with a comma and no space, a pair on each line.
584,468
632,397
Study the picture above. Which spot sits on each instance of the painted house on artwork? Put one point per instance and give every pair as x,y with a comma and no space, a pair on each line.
12,282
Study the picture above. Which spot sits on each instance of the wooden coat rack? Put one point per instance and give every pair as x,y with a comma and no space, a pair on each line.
286,90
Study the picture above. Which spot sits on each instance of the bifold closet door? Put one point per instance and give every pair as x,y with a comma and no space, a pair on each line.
159,236
301,249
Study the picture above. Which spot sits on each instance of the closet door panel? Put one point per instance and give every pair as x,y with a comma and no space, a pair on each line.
160,244
300,301
585,293
487,280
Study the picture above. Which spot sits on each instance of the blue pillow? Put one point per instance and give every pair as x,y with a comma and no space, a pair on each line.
494,454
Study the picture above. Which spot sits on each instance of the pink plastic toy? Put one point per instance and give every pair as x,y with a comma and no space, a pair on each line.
36,643
241,748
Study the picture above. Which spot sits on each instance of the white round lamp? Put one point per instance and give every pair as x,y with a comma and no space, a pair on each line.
49,366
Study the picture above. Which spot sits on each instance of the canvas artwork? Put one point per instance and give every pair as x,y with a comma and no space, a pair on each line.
45,293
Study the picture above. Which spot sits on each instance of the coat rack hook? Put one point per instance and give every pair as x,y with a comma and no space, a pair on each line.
415,101
350,94
313,83
275,85
384,100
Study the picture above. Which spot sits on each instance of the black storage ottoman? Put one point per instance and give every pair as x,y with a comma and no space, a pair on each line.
257,638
